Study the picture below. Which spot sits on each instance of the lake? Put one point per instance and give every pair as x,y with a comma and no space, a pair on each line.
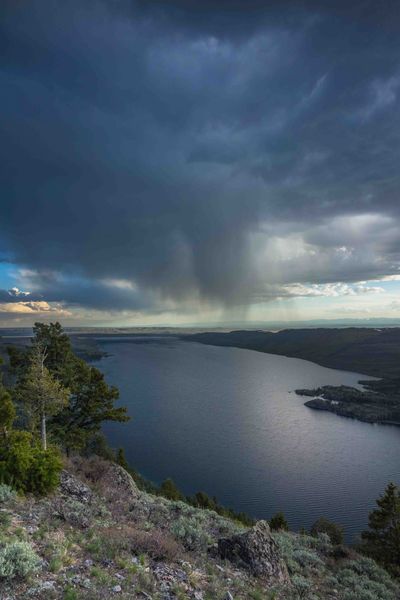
227,421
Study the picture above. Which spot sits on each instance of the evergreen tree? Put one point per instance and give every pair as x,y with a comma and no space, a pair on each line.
91,403
18,359
278,522
7,411
60,358
91,400
121,459
382,540
40,394
169,490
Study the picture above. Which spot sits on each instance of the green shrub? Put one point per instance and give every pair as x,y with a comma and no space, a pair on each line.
74,512
366,567
335,532
70,594
27,466
191,532
5,520
302,586
300,552
321,543
44,474
307,559
6,493
17,559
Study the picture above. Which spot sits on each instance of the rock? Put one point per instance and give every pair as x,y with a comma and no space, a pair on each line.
46,585
117,479
257,551
228,596
168,576
117,589
74,488
88,563
31,529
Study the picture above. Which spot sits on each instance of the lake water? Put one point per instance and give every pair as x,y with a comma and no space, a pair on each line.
227,421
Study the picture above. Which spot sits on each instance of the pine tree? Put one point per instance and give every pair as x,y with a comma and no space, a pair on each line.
121,459
169,490
60,359
278,522
7,411
41,394
382,540
91,403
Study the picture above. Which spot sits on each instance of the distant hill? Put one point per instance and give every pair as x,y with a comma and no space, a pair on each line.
369,351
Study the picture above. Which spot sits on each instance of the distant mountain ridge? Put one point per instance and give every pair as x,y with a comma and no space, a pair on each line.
374,352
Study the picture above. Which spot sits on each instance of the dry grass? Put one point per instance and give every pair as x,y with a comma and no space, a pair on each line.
89,470
156,544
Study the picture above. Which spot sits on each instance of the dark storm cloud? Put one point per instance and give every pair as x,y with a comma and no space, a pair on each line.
170,143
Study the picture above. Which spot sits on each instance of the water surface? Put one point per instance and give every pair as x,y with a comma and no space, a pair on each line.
227,421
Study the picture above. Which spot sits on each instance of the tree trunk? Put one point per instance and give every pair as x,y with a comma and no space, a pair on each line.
43,428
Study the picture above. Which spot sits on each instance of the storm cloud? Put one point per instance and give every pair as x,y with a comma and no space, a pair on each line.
163,154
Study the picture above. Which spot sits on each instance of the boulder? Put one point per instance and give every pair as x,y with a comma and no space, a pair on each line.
115,478
72,487
256,551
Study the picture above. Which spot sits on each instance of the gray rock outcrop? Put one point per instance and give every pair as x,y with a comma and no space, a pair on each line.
72,487
256,551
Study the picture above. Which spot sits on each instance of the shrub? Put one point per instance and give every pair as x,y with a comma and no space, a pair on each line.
363,579
6,493
302,586
44,474
322,543
74,512
307,559
156,544
368,567
113,541
5,520
17,559
29,468
298,552
278,522
191,532
335,532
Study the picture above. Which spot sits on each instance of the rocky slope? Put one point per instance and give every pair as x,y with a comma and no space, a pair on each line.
100,537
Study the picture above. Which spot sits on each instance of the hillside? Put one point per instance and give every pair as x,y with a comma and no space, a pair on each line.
100,537
374,352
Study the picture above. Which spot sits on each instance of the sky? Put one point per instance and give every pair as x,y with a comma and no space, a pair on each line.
175,162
